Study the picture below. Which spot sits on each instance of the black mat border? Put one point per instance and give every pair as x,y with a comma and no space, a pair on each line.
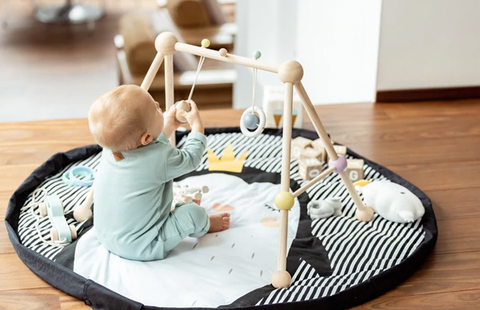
100,297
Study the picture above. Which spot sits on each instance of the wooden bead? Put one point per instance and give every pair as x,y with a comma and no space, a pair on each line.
284,200
223,52
205,43
281,279
365,215
290,71
165,43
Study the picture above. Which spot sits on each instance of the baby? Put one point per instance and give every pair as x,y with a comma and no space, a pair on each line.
133,186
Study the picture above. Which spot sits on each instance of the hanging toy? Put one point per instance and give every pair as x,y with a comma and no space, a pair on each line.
253,119
184,105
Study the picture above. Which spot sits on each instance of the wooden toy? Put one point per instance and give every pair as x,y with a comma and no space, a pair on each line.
252,122
310,152
298,145
322,208
273,98
290,73
61,233
309,168
355,169
318,145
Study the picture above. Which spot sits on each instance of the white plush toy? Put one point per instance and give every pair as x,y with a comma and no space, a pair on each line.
391,201
318,209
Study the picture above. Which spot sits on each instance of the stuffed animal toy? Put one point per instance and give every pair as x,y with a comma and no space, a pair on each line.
318,209
391,201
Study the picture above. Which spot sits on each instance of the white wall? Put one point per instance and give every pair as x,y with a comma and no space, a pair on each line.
337,46
429,44
269,27
335,41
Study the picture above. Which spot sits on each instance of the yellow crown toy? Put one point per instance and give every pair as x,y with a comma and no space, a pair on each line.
227,162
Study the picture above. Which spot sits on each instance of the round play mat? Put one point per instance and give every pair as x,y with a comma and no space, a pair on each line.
335,262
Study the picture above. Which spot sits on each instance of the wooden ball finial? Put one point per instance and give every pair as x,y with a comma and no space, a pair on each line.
165,43
281,279
290,71
223,52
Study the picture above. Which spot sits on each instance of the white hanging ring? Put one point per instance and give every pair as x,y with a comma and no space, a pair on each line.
261,125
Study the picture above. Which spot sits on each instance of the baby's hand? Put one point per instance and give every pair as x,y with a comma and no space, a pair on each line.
170,121
193,117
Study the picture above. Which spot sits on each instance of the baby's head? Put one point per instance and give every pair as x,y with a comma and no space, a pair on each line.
125,118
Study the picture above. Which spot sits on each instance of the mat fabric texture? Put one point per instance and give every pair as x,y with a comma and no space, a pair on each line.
336,262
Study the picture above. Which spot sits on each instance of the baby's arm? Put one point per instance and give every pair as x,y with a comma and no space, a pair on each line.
170,122
181,161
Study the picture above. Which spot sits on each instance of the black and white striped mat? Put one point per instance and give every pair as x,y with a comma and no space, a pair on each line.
357,251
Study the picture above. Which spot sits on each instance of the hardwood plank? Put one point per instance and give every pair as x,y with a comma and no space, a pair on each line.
451,300
425,129
458,235
431,108
440,275
13,176
453,272
15,275
4,198
439,176
455,203
6,246
40,298
33,299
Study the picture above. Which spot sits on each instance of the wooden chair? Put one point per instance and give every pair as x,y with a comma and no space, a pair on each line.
136,50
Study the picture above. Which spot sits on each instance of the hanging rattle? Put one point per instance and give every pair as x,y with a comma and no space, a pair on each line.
253,119
184,105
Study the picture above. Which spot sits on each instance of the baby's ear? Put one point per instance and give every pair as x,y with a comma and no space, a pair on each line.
146,138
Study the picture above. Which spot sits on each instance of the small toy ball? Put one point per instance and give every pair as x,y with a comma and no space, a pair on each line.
257,54
223,52
251,121
205,43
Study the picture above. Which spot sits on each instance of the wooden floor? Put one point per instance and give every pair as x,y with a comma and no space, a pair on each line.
434,145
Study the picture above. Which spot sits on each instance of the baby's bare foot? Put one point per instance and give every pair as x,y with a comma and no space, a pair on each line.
219,222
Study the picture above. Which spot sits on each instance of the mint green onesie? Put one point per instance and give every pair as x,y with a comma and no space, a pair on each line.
133,198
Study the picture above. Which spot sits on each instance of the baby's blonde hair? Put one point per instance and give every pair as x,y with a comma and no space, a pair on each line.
118,118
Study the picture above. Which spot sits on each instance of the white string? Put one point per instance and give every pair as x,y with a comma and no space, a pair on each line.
254,88
199,67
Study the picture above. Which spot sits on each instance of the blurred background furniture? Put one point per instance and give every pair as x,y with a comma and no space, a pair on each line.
136,50
69,13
